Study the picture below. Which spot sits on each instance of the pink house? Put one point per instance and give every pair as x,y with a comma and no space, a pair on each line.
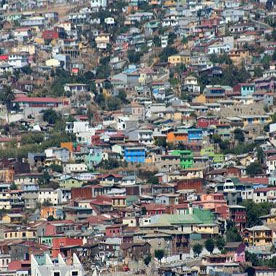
239,255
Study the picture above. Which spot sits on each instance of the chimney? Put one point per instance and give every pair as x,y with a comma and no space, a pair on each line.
190,208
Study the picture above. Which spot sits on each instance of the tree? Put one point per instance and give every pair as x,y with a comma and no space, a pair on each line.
239,135
113,103
123,96
153,180
6,97
254,211
210,245
147,260
254,169
56,168
232,234
220,242
260,155
159,254
133,56
156,41
171,37
197,248
168,51
161,142
143,210
50,116
13,187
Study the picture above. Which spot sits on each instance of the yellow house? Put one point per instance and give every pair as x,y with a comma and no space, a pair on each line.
119,202
269,219
169,3
13,218
52,161
255,119
239,55
258,236
200,99
26,234
207,229
179,59
103,38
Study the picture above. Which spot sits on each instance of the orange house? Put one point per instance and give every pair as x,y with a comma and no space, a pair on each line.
177,137
67,145
45,212
6,175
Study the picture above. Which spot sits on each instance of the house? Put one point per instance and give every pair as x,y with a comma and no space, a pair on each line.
264,194
58,268
167,199
75,168
191,84
75,88
102,40
62,154
142,136
135,154
237,214
13,218
136,250
182,58
258,236
186,158
33,105
96,4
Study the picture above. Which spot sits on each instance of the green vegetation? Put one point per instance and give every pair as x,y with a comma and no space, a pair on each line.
159,254
210,245
197,248
255,210
239,135
147,260
254,169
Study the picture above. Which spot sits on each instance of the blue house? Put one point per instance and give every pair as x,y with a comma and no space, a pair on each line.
247,89
135,154
195,134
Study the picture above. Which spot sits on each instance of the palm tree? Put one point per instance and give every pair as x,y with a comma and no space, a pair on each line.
6,97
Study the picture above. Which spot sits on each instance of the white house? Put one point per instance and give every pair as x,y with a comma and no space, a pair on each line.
75,168
49,195
96,4
271,164
264,195
59,268
109,21
18,60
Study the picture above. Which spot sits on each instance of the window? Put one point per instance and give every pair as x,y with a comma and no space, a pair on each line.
56,273
75,273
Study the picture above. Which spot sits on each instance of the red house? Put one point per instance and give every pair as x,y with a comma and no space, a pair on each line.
50,35
238,215
65,246
114,230
206,121
190,184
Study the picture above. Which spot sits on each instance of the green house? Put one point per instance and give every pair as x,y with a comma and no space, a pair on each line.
70,182
186,158
210,152
47,241
218,158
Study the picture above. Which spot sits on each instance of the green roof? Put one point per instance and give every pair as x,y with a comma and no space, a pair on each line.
198,217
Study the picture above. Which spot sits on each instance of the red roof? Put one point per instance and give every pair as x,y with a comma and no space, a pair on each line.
255,180
36,99
4,57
